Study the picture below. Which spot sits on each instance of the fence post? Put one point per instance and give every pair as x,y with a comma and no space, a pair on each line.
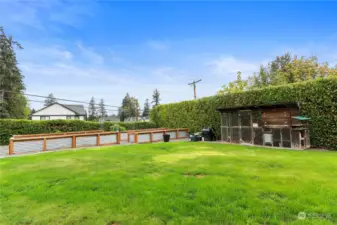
98,140
128,137
118,137
136,137
44,144
177,134
11,147
151,140
73,143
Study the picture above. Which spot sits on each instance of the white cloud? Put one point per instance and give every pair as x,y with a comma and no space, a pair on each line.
157,45
90,54
225,66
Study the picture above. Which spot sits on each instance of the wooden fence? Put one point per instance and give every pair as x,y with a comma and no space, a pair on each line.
44,142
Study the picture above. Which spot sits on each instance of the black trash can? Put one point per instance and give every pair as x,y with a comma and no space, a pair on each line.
208,134
166,137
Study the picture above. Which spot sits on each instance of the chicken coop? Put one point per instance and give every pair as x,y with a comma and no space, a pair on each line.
276,125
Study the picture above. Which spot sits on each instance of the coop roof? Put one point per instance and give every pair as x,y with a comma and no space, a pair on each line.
261,106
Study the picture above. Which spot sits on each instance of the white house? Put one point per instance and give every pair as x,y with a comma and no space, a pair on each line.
59,111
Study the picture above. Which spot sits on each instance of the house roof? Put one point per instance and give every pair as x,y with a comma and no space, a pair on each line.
77,109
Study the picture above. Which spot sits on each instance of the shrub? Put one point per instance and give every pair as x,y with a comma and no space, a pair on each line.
10,127
117,127
317,100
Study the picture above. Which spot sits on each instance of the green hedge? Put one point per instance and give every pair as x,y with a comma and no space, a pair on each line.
10,127
317,100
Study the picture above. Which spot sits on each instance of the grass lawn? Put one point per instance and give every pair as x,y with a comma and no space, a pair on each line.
170,183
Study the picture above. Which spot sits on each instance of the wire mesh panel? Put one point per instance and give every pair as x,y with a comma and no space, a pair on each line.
246,134
28,146
225,119
173,134
157,136
143,138
124,136
245,118
86,141
132,138
108,139
286,137
235,135
225,134
258,136
59,143
234,119
183,134
277,142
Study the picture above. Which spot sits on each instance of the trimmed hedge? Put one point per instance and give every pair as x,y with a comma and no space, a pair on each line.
317,100
9,127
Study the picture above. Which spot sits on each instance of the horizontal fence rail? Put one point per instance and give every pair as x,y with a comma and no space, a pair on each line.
20,144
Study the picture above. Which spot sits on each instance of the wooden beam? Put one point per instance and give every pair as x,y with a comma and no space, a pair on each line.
118,137
11,147
98,140
45,144
73,143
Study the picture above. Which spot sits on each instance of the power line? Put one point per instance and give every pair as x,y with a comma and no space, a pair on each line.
110,110
61,99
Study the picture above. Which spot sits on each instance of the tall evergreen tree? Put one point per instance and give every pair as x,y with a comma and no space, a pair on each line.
125,108
146,110
101,109
92,111
12,103
50,100
155,98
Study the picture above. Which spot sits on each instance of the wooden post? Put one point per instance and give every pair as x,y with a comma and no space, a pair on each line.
11,147
98,140
118,137
136,137
151,137
44,144
73,144
177,134
128,137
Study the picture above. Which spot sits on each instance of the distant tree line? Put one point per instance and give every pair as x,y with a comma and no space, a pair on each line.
284,69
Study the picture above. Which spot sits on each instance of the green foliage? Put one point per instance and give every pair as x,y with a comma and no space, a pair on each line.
146,110
117,127
235,86
130,107
50,100
10,127
317,100
287,69
12,101
92,110
101,109
156,98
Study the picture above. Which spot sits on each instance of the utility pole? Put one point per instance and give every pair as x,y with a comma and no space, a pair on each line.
195,88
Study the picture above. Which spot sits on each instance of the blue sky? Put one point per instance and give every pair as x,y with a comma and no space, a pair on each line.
78,49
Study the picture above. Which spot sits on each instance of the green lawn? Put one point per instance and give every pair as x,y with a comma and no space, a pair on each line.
170,183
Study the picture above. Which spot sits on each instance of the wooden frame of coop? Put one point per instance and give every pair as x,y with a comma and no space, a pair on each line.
276,125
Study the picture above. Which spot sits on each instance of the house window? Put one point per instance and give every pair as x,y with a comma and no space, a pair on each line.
45,118
69,117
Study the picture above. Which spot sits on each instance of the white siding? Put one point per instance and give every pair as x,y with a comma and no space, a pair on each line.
55,109
55,112
56,117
